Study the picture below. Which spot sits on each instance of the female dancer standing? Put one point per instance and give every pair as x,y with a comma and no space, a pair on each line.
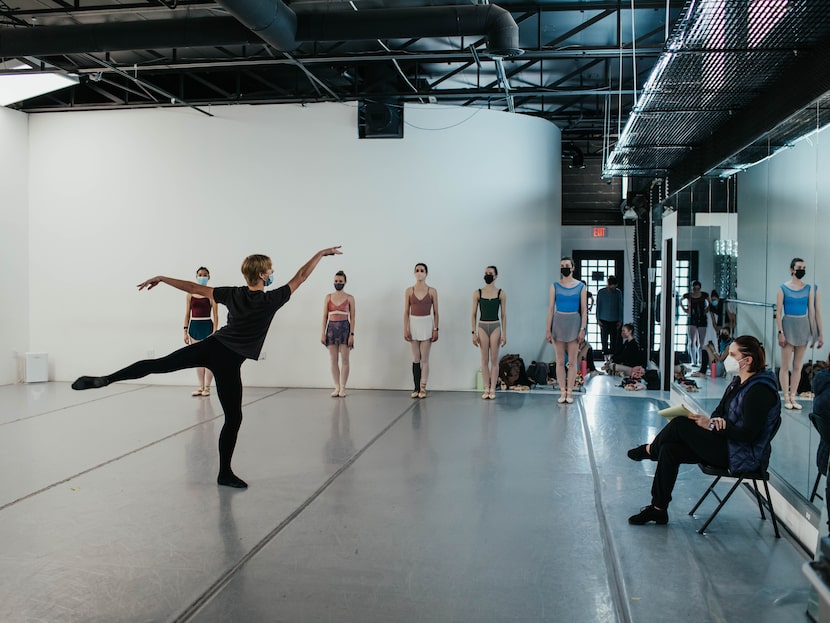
338,331
420,326
198,325
490,333
798,315
696,304
567,322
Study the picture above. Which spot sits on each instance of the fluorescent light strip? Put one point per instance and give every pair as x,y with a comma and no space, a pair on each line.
21,85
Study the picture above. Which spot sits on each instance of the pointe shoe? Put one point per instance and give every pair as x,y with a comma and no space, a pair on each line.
206,391
491,395
336,391
647,514
414,394
562,399
422,393
569,398
788,404
341,393
486,394
198,392
795,404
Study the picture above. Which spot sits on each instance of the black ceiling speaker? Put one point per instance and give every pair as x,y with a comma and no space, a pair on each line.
380,118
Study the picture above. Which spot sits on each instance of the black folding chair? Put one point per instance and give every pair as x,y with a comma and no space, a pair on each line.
720,472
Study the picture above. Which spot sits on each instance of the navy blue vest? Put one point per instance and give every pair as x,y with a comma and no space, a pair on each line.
753,456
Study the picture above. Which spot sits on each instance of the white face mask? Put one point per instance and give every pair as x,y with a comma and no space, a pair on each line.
732,365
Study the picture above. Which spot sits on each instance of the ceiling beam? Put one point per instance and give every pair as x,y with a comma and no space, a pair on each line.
798,88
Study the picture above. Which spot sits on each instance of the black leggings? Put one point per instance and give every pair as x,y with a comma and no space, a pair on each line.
225,365
683,441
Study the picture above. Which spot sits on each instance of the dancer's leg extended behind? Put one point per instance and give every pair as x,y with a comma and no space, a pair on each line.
211,354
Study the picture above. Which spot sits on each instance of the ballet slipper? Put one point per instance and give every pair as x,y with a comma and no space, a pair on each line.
336,391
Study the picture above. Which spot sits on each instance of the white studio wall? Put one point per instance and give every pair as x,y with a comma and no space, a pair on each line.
116,197
14,255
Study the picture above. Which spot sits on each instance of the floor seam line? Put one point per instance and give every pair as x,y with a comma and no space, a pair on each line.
125,455
200,602
612,563
80,404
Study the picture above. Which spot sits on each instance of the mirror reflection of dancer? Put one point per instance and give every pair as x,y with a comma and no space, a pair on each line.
199,325
490,333
567,322
338,331
420,326
250,310
696,304
798,314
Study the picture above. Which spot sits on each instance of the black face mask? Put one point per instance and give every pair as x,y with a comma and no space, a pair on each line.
565,271
800,273
339,286
489,278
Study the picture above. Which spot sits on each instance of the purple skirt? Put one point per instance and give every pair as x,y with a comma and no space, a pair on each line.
337,332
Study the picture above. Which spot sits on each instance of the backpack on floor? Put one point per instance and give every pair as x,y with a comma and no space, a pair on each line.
512,371
538,372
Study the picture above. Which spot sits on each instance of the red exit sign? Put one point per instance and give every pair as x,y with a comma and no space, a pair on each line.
599,232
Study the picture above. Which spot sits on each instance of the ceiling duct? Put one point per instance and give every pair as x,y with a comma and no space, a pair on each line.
118,36
433,21
271,21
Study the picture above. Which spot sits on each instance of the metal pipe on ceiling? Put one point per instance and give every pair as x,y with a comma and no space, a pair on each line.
267,20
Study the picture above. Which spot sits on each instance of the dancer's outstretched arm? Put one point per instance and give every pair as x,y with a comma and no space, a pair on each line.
180,284
306,269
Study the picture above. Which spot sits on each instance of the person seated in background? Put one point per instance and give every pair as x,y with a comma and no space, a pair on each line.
628,354
586,353
711,355
736,436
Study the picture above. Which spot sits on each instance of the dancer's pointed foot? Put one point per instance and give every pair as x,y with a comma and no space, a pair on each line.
90,382
231,480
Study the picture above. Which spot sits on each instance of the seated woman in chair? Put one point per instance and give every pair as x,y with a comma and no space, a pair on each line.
736,436
821,409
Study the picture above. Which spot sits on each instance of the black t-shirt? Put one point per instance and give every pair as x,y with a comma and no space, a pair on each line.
249,317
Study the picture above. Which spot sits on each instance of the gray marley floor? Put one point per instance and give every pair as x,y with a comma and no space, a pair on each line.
375,507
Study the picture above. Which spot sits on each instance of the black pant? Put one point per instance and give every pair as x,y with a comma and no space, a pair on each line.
608,329
683,441
226,367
